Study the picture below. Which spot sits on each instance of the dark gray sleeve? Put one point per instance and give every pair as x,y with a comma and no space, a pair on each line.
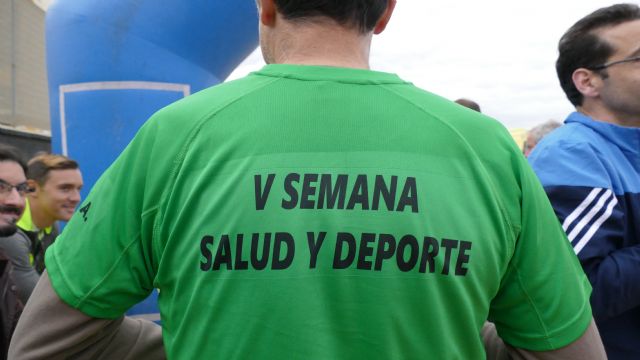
17,249
588,346
51,329
494,347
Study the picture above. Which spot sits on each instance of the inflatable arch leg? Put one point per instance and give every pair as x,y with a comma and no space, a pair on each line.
112,64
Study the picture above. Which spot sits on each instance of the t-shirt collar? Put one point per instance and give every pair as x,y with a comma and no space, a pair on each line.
328,73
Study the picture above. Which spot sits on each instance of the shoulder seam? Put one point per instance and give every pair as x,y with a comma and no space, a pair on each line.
180,159
510,225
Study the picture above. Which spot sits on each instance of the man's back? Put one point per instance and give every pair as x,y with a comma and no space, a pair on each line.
595,154
375,220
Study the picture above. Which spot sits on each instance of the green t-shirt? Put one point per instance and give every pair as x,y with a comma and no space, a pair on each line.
324,213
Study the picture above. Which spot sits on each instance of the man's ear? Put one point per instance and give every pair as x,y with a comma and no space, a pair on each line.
588,82
267,12
384,19
35,186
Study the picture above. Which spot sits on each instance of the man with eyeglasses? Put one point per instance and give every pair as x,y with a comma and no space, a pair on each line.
14,244
590,168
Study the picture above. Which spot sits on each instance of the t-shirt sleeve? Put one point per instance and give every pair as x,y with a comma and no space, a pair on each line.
543,300
103,262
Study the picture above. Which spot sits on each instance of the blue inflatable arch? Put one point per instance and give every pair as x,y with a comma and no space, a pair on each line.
112,64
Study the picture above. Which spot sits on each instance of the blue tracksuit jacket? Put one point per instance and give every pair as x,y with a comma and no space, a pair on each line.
591,173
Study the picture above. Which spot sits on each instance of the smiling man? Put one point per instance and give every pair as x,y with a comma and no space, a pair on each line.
12,177
14,244
56,182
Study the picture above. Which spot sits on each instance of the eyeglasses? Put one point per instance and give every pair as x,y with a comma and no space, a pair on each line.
5,188
606,65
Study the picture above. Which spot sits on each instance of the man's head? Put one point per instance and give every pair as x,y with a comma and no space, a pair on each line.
599,62
537,133
56,181
13,187
358,17
358,14
469,104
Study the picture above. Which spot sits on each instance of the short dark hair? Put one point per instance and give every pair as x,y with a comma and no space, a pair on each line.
9,153
39,167
580,47
468,104
361,14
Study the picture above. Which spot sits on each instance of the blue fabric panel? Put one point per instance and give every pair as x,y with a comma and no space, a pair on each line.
196,43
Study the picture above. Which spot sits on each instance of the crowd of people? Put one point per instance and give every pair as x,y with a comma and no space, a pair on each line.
318,209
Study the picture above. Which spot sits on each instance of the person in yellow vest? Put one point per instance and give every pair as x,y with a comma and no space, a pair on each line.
56,182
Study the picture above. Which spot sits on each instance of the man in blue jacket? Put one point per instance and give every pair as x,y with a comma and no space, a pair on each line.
590,168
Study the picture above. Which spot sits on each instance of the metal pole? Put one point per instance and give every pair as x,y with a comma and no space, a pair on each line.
13,60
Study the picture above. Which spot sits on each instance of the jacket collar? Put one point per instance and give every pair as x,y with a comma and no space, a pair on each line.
626,138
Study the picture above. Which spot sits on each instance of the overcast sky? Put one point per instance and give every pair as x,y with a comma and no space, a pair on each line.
500,53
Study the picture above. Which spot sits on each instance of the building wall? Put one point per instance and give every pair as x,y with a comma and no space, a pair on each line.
28,143
24,101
